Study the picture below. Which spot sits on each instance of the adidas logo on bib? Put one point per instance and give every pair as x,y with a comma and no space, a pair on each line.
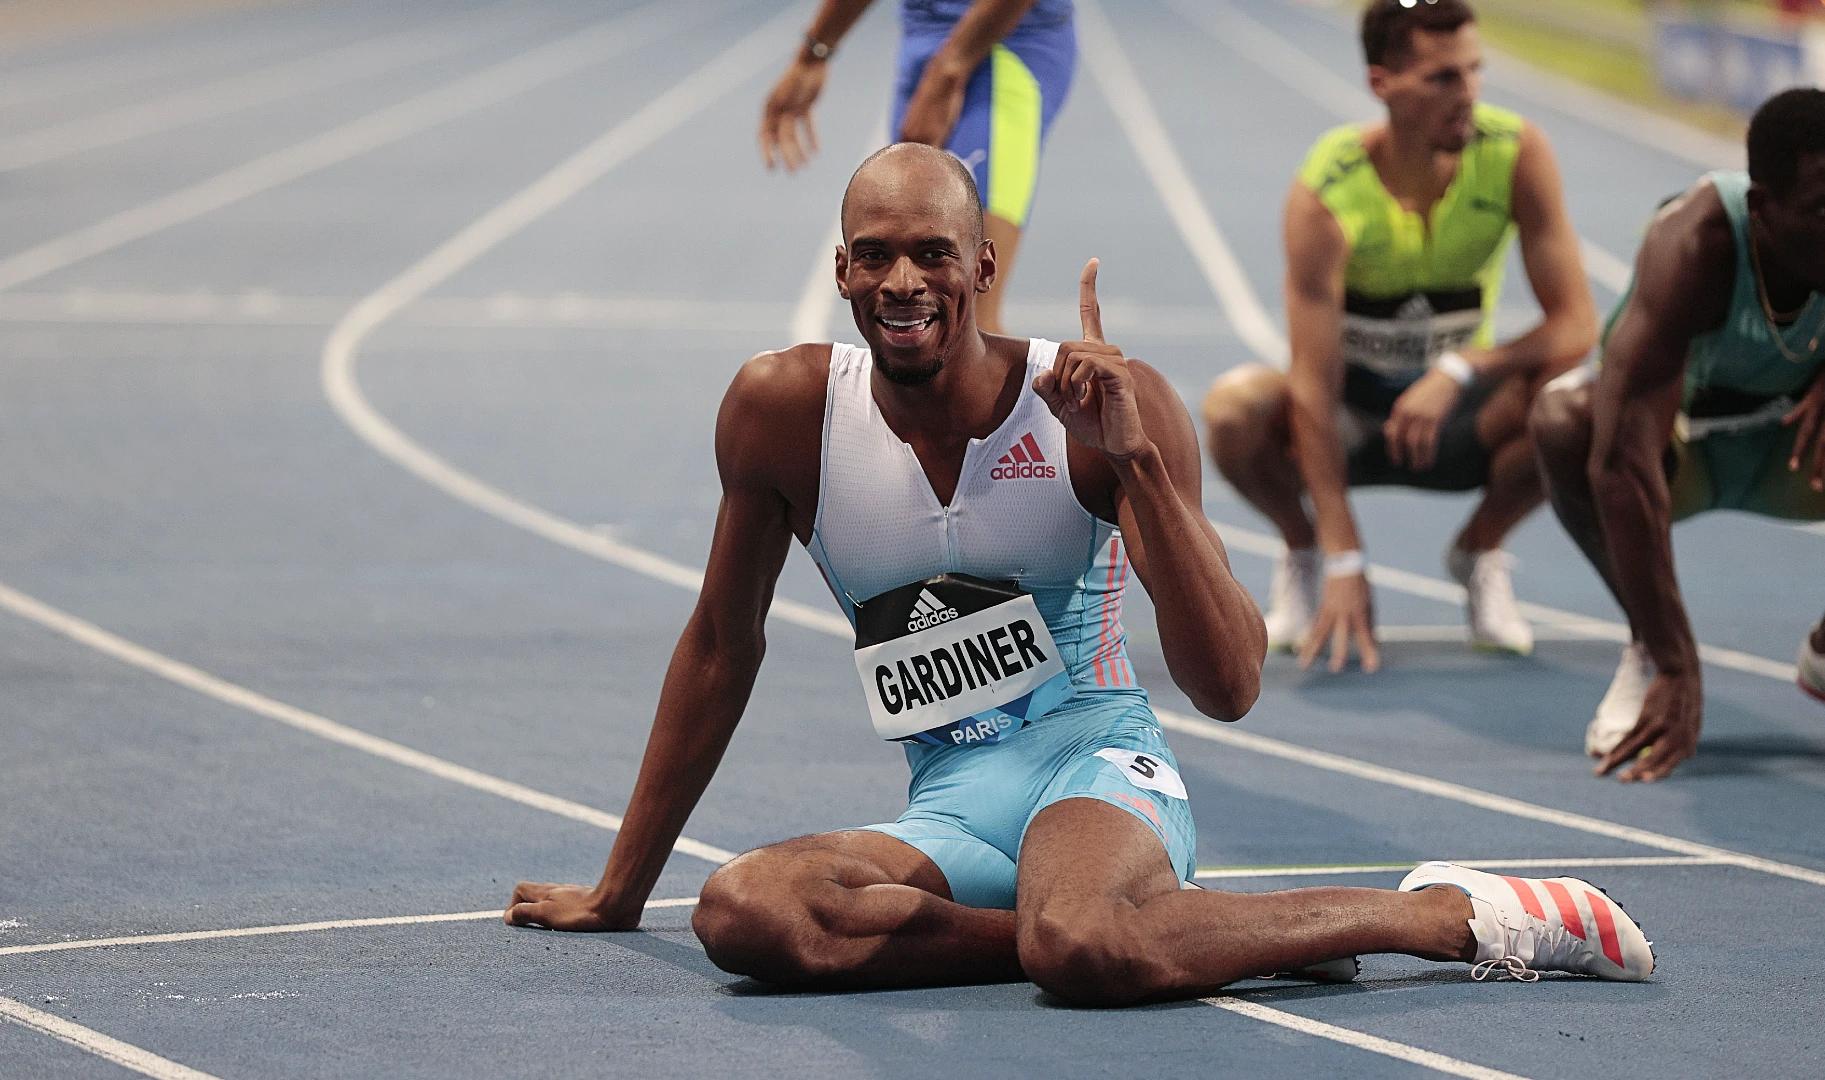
928,612
1024,462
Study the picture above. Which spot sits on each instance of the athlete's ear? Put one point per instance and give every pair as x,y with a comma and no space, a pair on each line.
986,266
842,271
1378,81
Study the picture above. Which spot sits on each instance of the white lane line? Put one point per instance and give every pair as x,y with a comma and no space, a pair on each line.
1345,100
86,633
1374,1044
1114,73
126,1055
1200,728
817,298
1231,872
1455,632
469,94
340,353
1562,622
292,78
289,928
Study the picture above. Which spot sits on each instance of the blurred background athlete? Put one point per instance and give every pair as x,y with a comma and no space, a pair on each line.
980,78
1711,396
1396,238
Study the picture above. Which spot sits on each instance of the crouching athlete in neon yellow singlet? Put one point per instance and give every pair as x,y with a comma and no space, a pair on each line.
1711,396
975,503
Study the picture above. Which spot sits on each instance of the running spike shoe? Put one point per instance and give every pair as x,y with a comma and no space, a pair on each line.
1293,599
1812,669
1495,620
1620,708
1525,926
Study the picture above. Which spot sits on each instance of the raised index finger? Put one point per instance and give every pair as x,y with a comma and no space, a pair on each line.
1087,307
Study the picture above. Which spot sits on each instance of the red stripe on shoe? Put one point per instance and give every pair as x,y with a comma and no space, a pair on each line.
1568,908
1530,902
1606,928
1032,446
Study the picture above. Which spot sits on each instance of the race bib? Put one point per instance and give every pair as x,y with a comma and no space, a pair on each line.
956,661
1399,338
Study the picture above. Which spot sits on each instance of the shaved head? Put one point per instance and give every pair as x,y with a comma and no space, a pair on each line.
913,175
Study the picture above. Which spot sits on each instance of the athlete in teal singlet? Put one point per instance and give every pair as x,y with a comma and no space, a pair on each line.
1710,397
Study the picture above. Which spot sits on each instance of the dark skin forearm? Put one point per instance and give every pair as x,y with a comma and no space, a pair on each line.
834,19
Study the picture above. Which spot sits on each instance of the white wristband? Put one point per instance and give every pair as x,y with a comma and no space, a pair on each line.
1454,365
1344,564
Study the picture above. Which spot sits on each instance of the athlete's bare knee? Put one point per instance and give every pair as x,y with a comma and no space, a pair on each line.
746,918
1088,957
1240,412
1560,425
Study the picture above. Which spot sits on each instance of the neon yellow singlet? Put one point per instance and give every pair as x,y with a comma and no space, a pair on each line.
1415,291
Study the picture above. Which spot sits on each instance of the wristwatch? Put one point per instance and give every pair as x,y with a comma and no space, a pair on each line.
817,49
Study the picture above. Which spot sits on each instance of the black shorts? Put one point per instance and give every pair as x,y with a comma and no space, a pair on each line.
1461,462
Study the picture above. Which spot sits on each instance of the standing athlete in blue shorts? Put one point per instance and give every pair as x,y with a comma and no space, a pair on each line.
976,504
980,78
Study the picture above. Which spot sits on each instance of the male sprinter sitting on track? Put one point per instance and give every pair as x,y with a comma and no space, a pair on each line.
975,502
1710,397
980,78
1396,235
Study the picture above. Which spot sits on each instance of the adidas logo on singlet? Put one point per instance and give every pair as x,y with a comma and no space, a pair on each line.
1024,462
929,612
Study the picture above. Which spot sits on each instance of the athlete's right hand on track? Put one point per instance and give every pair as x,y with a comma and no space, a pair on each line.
561,907
1347,611
1668,730
788,110
1809,443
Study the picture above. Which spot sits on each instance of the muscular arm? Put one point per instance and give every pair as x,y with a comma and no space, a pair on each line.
1549,249
834,19
1210,629
710,677
1316,254
1682,281
787,134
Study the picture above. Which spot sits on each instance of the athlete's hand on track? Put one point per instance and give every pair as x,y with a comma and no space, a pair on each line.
1412,428
1347,611
1090,388
1668,730
1810,415
561,907
936,104
788,109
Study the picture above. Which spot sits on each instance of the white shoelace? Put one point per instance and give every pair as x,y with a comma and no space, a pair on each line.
1508,967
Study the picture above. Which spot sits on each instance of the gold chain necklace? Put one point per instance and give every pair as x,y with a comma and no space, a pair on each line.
1774,326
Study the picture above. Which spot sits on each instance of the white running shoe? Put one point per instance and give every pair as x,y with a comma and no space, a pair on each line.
1496,624
1620,708
1812,669
1524,926
1292,602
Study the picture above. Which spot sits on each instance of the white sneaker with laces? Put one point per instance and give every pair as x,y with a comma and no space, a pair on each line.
1292,602
1524,926
1620,708
1812,669
1496,624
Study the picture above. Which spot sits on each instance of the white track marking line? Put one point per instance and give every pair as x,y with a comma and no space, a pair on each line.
817,299
1456,632
1345,100
86,633
291,78
467,95
1200,728
340,353
1372,1043
126,1055
1566,622
289,928
1230,872
1114,73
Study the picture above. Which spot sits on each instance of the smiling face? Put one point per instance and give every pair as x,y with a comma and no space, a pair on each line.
1431,90
1793,224
913,261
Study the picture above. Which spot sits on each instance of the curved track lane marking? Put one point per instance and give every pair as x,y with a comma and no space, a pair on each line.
290,928
472,93
1374,1044
127,652
126,1055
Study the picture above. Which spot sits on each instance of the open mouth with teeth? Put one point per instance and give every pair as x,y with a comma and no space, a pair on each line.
906,328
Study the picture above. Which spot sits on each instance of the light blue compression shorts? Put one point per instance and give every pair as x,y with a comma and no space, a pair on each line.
1009,105
969,806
